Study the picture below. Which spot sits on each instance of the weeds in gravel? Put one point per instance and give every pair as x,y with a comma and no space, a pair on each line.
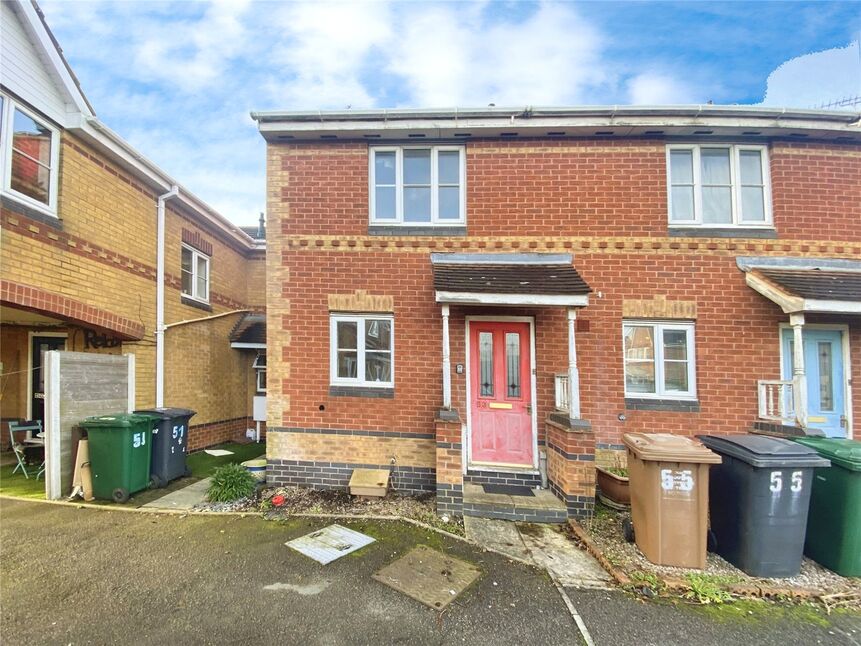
706,589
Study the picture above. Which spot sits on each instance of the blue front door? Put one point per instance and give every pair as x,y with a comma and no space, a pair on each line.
823,364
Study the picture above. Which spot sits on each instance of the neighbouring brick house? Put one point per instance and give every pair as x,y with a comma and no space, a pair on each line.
455,293
80,260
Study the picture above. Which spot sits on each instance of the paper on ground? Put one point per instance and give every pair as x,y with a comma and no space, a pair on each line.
217,452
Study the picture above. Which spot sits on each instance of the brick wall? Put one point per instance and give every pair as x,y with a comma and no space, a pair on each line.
604,202
101,254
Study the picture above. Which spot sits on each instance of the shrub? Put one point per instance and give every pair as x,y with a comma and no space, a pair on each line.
231,482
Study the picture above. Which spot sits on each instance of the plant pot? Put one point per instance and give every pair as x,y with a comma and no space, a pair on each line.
615,488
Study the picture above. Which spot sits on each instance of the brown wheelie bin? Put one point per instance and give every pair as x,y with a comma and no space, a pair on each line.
669,481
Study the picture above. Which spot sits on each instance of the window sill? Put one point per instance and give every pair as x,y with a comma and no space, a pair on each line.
672,405
417,230
362,391
28,211
722,232
193,302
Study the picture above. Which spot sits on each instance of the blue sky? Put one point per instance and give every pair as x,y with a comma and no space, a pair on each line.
178,79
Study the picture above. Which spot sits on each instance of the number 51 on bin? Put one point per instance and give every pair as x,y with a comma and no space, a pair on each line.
677,480
138,440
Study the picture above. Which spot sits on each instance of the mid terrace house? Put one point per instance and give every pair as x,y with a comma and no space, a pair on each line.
498,295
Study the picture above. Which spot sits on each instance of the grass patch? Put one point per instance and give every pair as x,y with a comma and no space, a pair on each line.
706,589
203,465
17,485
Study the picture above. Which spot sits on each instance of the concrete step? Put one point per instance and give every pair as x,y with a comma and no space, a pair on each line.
543,507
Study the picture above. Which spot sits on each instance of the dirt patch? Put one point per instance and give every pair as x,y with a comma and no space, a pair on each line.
286,501
605,530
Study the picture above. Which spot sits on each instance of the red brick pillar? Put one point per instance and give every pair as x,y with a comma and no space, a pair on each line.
449,463
571,464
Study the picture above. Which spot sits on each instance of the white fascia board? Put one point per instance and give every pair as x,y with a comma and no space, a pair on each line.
248,346
43,40
831,306
477,298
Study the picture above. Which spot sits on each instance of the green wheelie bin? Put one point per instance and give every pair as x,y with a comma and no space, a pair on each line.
120,454
834,522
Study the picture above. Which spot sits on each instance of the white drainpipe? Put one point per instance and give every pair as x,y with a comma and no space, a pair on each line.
159,297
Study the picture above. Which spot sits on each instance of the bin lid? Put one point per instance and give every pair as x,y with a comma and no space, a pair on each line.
166,413
764,451
120,420
846,453
664,447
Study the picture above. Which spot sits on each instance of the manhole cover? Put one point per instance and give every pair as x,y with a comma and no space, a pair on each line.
428,576
330,543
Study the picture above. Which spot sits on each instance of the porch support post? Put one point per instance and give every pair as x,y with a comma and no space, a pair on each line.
446,361
799,376
573,373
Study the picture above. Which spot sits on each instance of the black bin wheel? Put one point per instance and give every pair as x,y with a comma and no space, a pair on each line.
158,482
187,472
628,530
120,495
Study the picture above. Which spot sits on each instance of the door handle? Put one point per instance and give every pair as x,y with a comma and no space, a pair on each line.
529,409
843,421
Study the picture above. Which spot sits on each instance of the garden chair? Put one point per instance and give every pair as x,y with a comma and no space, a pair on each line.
18,446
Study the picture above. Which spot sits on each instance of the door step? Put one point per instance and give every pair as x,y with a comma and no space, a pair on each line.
543,507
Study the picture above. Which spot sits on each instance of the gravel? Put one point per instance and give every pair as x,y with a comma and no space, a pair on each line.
605,529
298,500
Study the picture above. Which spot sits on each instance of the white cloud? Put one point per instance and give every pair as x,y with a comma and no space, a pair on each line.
448,55
816,79
657,88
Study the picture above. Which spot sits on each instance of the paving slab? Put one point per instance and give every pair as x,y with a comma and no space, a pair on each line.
543,545
185,498
551,549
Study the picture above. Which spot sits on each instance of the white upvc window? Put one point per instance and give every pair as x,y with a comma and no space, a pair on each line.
417,185
659,359
29,156
713,185
195,274
362,350
259,366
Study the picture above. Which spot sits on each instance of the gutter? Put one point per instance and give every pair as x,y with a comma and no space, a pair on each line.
159,296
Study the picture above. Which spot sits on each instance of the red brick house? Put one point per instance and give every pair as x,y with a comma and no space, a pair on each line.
459,295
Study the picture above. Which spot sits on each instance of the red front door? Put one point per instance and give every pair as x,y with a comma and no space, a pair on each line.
500,393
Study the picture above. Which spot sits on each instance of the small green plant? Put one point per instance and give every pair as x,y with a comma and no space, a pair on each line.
622,472
647,579
707,589
230,482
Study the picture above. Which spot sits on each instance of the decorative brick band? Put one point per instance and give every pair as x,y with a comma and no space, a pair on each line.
341,431
194,239
730,247
336,475
50,235
68,309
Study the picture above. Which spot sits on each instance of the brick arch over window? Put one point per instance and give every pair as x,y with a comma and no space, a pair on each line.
48,303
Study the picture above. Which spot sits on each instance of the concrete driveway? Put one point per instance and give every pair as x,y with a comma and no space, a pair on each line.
77,576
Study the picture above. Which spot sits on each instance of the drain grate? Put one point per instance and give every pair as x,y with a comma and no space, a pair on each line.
330,543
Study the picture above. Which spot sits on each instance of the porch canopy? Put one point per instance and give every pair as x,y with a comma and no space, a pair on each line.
527,279
249,332
512,280
806,285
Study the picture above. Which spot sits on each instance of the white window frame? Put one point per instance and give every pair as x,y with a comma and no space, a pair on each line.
259,369
398,220
195,254
6,125
658,328
738,220
360,320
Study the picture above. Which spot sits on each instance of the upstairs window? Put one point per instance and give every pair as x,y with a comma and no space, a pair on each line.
195,274
29,151
718,186
417,186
